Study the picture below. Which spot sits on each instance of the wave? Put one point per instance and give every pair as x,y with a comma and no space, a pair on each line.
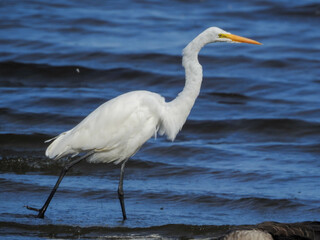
304,10
294,9
18,139
276,127
299,230
67,231
17,74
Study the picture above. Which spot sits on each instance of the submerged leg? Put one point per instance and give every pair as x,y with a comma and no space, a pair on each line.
120,191
62,174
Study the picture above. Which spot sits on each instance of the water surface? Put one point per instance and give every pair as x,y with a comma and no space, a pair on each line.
248,153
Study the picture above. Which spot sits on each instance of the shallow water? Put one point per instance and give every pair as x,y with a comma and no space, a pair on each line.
248,153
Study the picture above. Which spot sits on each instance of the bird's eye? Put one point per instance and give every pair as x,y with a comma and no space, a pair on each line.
221,35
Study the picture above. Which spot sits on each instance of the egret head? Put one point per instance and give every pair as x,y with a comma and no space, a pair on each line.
219,35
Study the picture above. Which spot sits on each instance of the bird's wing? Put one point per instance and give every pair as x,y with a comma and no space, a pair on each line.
128,117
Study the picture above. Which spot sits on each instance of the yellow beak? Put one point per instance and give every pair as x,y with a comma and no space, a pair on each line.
236,38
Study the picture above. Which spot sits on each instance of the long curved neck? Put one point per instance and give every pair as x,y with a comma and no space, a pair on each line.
180,107
193,72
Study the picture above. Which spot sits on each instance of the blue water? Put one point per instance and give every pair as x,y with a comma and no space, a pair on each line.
248,153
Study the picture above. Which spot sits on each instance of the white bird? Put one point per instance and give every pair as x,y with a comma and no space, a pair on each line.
117,129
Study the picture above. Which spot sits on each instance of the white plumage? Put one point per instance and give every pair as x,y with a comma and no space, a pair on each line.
117,129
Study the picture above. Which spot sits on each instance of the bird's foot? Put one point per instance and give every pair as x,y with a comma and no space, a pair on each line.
32,208
40,211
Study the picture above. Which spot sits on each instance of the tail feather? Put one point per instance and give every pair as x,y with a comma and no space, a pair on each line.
58,148
51,139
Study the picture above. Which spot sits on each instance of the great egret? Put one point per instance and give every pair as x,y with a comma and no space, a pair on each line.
117,129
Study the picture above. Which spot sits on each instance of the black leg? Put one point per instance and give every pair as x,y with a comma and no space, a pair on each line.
62,174
120,191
